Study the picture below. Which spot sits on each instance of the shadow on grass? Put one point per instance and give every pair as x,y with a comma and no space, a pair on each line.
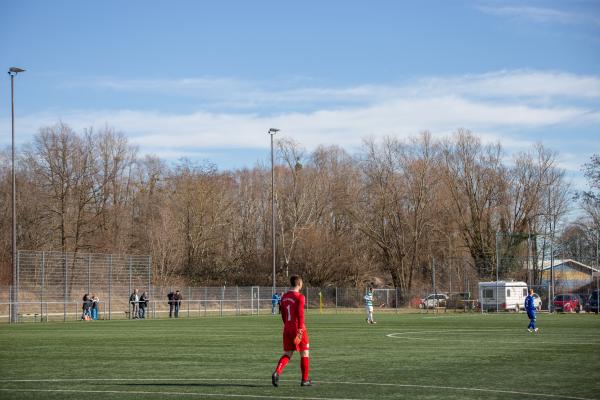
243,385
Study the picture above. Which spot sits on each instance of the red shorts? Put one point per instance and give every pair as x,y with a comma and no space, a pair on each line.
288,341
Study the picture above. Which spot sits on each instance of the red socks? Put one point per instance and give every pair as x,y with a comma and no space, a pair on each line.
281,364
304,366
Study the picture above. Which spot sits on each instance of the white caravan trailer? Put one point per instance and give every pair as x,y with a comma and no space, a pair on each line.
511,295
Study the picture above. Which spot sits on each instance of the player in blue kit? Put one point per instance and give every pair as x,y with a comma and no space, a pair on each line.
530,308
275,299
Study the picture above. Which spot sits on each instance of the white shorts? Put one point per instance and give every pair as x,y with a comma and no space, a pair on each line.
369,309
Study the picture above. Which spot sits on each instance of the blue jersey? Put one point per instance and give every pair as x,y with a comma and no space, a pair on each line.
275,299
530,303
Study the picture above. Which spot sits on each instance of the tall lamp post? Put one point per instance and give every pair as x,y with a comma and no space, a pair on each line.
272,132
13,71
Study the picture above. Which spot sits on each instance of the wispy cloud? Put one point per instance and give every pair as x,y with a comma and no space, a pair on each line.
511,107
540,14
232,93
343,126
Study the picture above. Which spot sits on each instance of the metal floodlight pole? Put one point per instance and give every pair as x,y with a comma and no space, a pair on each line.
529,263
13,71
272,132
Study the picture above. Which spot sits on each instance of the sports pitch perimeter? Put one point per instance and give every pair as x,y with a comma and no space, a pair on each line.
404,356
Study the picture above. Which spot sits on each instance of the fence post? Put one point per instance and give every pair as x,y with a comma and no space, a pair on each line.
189,299
18,285
237,300
222,299
153,302
11,306
110,287
150,284
306,304
65,287
129,293
42,287
387,297
336,299
89,272
396,292
205,300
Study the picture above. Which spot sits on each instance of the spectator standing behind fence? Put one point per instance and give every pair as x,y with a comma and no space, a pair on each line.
143,304
95,306
171,303
86,307
134,300
177,297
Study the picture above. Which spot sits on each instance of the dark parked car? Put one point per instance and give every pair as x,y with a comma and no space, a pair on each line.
592,302
582,302
566,302
460,301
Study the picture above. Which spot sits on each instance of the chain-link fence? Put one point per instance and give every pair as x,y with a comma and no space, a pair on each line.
51,286
192,302
53,283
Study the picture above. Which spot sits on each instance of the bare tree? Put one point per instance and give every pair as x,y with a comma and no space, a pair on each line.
475,178
297,200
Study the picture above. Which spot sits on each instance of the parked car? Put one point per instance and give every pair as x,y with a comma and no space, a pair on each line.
434,300
566,302
460,301
592,302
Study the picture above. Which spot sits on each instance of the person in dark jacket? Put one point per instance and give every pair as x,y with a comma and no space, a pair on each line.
177,297
143,305
171,303
86,307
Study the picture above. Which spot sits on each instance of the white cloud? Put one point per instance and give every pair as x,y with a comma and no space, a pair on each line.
540,14
504,106
514,84
344,126
501,85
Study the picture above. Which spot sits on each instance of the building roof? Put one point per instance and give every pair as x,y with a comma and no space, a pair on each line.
558,262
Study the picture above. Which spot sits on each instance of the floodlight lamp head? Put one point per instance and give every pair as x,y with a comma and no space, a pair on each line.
273,130
15,70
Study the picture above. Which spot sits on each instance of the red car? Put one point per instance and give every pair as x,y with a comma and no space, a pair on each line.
566,302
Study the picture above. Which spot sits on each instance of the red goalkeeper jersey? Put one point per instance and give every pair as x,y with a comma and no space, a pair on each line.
292,311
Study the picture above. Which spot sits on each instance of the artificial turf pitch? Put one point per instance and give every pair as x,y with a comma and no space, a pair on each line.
409,356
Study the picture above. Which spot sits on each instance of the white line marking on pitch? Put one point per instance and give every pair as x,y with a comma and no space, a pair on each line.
461,388
468,389
401,335
404,335
248,396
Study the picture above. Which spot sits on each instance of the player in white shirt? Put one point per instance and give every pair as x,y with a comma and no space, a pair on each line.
369,305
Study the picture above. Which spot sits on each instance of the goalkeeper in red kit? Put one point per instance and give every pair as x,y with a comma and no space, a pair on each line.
295,335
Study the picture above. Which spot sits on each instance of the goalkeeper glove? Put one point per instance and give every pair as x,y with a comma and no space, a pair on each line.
298,337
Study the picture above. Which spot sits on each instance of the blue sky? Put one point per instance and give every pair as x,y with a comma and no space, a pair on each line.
206,80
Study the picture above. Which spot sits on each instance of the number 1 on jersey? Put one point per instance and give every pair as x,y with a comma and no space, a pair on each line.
289,313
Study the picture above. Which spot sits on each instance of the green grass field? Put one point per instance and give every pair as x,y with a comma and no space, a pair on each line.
450,356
